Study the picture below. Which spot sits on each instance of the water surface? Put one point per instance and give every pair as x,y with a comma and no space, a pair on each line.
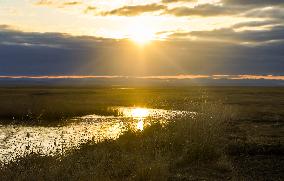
17,140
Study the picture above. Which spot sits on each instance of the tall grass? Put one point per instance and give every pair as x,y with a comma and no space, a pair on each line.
172,151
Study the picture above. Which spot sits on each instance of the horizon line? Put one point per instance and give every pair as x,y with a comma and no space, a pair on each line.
160,77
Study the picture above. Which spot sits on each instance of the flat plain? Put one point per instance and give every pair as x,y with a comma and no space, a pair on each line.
237,134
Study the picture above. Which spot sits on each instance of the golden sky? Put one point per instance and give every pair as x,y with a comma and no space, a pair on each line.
240,38
119,18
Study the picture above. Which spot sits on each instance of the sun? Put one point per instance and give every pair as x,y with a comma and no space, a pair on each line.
141,35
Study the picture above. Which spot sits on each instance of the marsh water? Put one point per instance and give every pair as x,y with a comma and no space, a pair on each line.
19,140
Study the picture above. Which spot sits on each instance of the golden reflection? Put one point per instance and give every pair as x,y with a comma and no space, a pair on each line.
139,113
140,125
17,140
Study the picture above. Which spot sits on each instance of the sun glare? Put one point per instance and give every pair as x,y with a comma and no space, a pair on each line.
140,113
141,35
140,125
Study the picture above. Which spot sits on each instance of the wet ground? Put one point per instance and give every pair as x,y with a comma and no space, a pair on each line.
19,140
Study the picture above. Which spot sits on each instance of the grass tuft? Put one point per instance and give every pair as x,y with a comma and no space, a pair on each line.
160,152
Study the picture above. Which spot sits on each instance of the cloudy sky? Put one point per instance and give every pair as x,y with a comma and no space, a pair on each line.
160,38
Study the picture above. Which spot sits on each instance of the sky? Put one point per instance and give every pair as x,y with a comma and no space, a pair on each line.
236,39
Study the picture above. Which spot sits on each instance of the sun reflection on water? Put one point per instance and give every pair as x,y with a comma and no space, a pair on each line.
17,140
140,113
140,125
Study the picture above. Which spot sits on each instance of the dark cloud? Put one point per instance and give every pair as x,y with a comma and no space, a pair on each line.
260,24
135,10
238,2
227,34
252,8
254,2
60,54
203,10
271,12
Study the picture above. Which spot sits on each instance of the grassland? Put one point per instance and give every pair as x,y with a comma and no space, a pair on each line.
238,136
35,105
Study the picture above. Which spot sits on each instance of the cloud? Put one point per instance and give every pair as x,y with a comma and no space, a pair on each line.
238,2
203,10
258,77
162,77
4,27
135,10
199,10
52,40
253,8
275,33
44,2
58,4
258,24
90,9
55,54
270,12
62,77
72,3
175,1
254,2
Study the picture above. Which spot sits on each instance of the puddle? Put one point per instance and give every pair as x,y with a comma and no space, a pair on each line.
16,140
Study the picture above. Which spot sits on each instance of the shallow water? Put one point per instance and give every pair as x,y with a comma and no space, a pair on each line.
16,140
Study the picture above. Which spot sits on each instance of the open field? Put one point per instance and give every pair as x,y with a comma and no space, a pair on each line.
238,133
35,105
